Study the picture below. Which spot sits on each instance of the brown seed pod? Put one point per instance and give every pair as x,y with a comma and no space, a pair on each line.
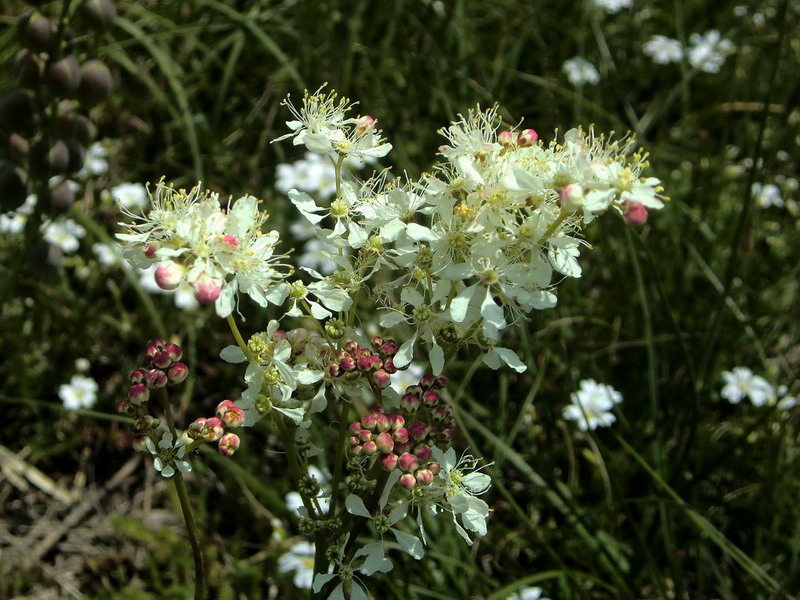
63,76
48,157
99,13
29,68
96,83
16,112
18,146
36,32
77,156
77,127
59,197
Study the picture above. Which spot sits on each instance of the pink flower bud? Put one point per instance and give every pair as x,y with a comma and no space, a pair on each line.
196,429
228,444
571,197
232,417
400,435
381,378
280,334
213,430
388,461
342,354
400,447
423,452
408,481
447,434
162,360
418,430
415,389
178,372
230,240
364,363
635,214
439,412
157,343
388,366
426,381
351,346
369,421
138,393
356,450
434,468
383,422
354,427
385,442
334,370
365,124
407,462
156,378
169,275
397,421
388,349
175,352
441,383
206,289
423,476
138,376
506,138
123,406
348,363
430,398
370,448
527,137
365,435
140,444
150,249
376,341
409,403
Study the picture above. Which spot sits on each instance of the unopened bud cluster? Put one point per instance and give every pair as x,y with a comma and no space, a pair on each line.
212,429
162,367
376,363
404,440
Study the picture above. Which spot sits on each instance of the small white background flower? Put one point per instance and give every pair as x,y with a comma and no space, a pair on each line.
591,405
80,392
300,561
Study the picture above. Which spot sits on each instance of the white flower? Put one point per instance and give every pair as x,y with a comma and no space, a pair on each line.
107,255
526,593
316,255
300,561
663,50
95,162
580,71
741,383
14,221
591,405
768,195
169,454
314,174
80,392
707,51
64,234
131,196
613,6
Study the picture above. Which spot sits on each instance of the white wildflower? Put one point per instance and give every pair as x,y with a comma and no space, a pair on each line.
591,405
95,163
65,234
741,383
663,50
768,195
131,196
526,593
300,561
708,51
580,71
169,454
612,6
80,392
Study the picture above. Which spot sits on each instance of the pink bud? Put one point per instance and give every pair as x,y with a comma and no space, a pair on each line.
365,435
138,393
388,461
441,383
230,240
213,430
426,381
527,137
415,389
364,124
140,444
162,360
370,448
334,369
434,468
123,405
635,214
232,416
156,378
196,429
354,427
150,249
369,421
506,138
383,422
376,341
400,447
354,441
408,481
139,376
206,289
228,444
384,442
397,421
430,398
439,412
409,403
388,349
157,343
280,334
571,196
407,462
418,430
364,363
351,346
447,434
169,275
178,372
423,452
381,378
175,352
400,435
348,363
388,366
423,476
356,450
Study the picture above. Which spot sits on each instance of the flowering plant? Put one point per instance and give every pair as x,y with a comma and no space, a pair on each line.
448,262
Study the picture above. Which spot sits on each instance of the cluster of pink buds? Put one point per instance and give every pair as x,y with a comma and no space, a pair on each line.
213,429
526,137
635,213
162,366
376,362
404,440
170,273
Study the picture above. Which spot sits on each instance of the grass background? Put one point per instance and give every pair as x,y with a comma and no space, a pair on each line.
685,497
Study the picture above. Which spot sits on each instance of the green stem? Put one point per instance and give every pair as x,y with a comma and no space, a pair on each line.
562,216
238,337
191,529
337,468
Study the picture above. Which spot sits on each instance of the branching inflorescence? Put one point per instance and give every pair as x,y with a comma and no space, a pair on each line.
443,264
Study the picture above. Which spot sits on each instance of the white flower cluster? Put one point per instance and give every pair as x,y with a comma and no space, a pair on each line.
706,52
80,392
741,383
580,71
475,244
612,6
591,405
218,252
